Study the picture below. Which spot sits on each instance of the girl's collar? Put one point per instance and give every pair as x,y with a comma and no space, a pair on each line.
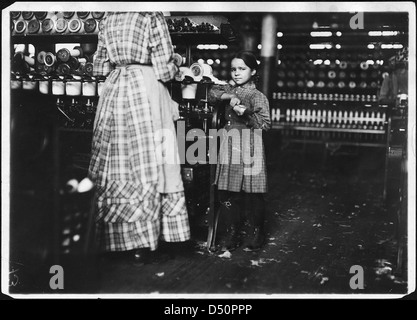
247,85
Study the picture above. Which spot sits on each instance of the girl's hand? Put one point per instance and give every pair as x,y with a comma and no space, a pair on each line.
234,101
239,109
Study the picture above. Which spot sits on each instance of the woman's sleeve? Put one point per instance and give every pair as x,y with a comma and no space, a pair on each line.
259,116
101,63
215,93
162,51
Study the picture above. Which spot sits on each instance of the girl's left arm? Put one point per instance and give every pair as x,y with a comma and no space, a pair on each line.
259,116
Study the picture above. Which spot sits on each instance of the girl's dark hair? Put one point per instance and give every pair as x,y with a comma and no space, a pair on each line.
249,58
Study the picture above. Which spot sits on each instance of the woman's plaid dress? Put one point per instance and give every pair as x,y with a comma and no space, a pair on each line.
140,200
241,161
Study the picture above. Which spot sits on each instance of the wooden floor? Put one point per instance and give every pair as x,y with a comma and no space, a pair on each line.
324,215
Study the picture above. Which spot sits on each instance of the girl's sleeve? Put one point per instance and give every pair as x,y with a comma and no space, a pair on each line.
259,116
101,63
215,93
161,49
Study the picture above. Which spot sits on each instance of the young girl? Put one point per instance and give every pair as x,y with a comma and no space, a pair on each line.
248,114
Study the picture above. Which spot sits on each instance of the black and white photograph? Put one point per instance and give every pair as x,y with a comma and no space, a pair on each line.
208,150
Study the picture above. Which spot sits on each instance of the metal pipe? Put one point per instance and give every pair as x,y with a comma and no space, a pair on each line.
268,53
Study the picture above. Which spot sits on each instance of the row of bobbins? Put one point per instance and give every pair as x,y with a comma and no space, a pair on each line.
60,85
42,22
65,61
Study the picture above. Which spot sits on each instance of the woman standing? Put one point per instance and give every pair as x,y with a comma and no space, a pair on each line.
140,197
241,166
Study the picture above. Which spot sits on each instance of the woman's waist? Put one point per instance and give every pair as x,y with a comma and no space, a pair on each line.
134,71
132,65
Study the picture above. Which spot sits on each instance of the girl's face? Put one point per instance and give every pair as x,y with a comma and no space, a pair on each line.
240,72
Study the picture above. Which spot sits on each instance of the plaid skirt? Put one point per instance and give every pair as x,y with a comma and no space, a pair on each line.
241,161
140,199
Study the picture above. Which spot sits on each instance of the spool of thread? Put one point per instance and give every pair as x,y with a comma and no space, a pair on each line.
74,63
364,65
98,15
88,68
83,14
15,15
65,54
48,69
27,15
40,15
101,25
41,57
63,69
80,70
75,25
197,71
33,26
20,26
90,25
49,59
47,25
343,65
61,25
331,74
178,59
85,185
71,186
68,14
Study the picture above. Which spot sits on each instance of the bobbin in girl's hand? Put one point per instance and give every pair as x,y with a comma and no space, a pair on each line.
239,109
234,101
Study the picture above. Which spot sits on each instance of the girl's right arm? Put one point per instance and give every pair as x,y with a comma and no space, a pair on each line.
219,93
